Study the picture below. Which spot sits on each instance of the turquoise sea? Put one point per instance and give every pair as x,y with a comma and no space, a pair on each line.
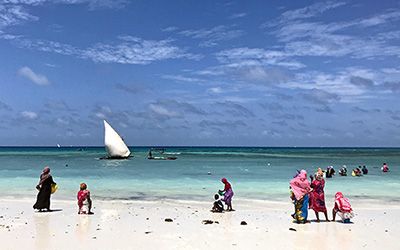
255,173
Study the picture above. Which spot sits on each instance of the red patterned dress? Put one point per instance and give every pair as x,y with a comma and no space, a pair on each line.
317,196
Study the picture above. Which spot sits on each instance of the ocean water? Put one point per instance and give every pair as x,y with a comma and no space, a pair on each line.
255,173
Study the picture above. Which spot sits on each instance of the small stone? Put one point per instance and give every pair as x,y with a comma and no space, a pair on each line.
205,222
292,229
148,232
386,231
216,222
243,223
168,220
94,238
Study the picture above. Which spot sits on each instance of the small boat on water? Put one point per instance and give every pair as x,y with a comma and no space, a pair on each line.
114,144
159,154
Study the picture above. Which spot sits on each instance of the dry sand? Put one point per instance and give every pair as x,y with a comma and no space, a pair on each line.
142,225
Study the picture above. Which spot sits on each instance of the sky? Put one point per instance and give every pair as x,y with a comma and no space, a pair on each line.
200,73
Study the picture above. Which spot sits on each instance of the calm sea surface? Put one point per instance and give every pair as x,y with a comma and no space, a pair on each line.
255,173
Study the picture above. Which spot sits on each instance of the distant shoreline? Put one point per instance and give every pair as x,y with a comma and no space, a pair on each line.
261,147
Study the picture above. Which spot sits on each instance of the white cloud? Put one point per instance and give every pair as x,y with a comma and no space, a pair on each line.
238,15
34,77
215,90
14,12
160,110
134,50
211,37
390,15
29,115
100,115
125,50
341,45
311,11
62,121
238,57
47,46
14,15
336,87
180,78
305,38
170,29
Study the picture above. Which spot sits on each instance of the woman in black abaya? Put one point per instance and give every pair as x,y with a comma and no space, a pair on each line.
44,187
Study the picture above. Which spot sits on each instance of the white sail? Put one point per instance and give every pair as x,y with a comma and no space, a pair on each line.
115,146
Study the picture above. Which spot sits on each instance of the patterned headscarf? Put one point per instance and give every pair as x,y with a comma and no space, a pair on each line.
342,203
44,175
300,185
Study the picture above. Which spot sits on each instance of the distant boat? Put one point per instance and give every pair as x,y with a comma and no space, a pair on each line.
159,152
115,146
58,146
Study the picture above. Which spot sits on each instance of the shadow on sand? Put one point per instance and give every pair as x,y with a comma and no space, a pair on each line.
49,211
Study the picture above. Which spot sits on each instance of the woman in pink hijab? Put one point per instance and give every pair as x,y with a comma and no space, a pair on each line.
300,187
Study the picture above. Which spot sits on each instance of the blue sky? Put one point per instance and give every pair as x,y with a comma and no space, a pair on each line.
246,73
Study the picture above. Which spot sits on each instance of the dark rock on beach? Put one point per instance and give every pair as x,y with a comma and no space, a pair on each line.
205,222
292,229
243,223
168,220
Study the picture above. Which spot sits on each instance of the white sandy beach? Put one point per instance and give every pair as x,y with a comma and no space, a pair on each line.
141,225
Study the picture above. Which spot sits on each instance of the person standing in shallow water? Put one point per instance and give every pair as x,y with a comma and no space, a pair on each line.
317,195
44,187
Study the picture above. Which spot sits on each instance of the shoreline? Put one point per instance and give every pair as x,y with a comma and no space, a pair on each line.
361,202
142,225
